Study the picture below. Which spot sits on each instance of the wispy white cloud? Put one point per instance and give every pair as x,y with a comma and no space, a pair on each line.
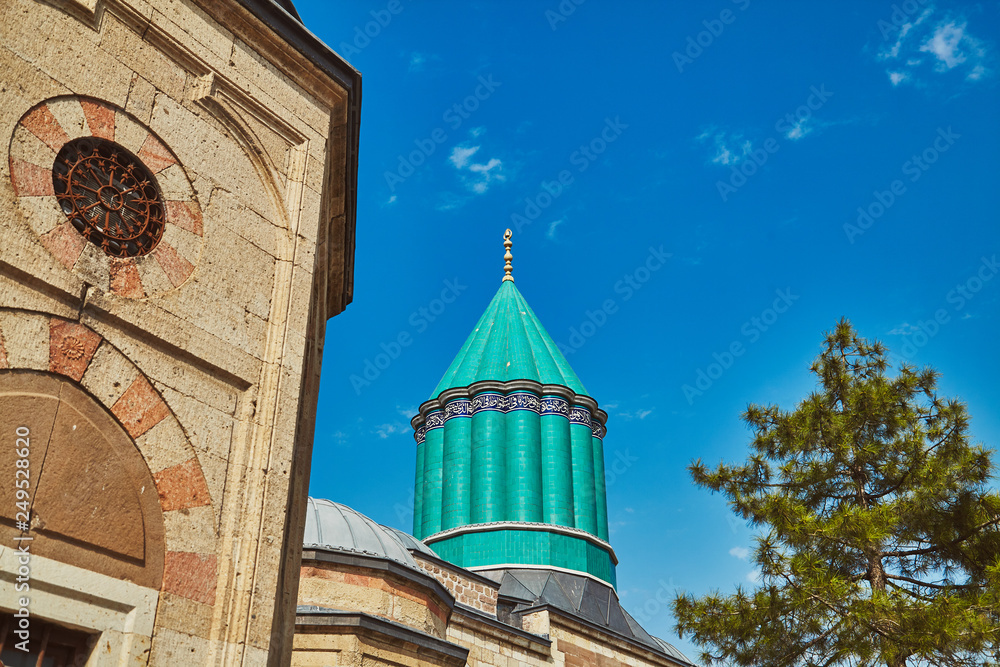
739,552
418,62
904,329
753,576
904,30
629,416
449,201
727,148
799,129
552,227
803,127
383,431
485,174
944,45
460,155
476,176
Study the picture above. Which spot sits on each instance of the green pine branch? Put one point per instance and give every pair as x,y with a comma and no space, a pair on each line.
880,536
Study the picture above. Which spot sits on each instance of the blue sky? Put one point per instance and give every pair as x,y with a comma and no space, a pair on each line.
798,163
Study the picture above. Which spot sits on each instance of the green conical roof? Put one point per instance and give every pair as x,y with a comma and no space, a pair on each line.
509,343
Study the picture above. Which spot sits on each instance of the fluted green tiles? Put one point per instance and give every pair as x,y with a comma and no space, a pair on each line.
524,466
418,492
456,499
600,489
433,480
584,498
527,547
489,467
557,471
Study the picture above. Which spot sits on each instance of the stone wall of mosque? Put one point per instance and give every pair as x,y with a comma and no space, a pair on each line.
174,219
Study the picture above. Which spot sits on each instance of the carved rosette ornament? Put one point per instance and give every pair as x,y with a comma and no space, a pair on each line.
109,196
106,197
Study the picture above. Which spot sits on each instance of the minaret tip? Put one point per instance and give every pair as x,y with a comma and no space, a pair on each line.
507,243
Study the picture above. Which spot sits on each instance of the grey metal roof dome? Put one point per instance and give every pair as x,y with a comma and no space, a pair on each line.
412,543
330,525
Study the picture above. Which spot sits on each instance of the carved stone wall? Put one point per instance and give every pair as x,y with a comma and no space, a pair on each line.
203,355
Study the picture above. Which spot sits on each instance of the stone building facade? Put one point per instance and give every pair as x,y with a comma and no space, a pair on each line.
373,596
177,187
177,212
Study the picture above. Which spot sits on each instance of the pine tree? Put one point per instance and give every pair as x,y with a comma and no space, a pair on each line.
880,536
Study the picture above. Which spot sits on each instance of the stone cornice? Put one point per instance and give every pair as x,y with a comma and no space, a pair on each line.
568,619
319,619
537,643
359,560
522,525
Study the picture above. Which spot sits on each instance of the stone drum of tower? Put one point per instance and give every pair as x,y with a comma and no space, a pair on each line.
510,453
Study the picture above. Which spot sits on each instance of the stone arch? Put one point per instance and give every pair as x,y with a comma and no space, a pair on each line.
40,353
253,149
37,139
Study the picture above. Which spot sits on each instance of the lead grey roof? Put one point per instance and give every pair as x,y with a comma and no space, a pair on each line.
330,525
582,597
672,651
411,543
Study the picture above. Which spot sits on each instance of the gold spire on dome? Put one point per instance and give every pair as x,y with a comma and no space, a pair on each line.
507,268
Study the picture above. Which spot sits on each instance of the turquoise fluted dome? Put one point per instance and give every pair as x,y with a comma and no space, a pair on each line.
510,453
509,343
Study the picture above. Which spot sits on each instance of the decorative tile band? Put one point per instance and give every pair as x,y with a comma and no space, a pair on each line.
461,407
579,415
553,405
494,402
435,420
488,403
523,402
501,403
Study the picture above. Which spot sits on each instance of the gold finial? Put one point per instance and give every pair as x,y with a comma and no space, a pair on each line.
507,268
